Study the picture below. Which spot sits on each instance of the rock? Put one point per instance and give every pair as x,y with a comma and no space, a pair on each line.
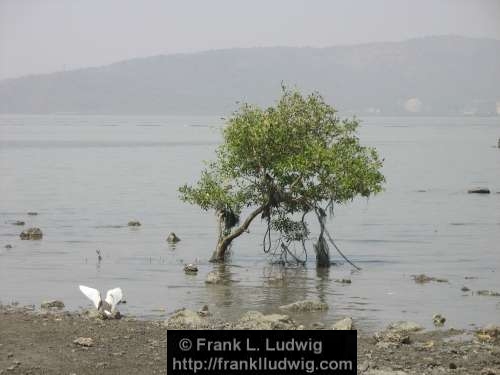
215,277
343,281
172,238
481,190
345,324
465,289
438,320
255,320
490,332
31,234
32,213
306,305
404,326
204,311
134,223
452,366
488,371
318,325
84,341
186,319
190,269
385,372
54,304
387,339
10,355
18,222
8,246
423,279
487,293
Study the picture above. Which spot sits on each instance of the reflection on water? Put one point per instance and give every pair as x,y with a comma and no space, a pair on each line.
87,176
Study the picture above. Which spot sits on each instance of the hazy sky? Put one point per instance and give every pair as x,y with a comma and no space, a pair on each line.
39,36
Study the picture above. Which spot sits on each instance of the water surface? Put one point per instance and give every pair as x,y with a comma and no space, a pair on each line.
87,176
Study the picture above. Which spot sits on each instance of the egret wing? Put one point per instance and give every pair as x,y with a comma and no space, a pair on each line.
92,294
113,296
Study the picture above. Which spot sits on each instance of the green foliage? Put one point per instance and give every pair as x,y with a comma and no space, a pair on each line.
288,159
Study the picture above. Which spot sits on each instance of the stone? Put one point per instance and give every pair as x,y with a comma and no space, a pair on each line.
488,293
465,289
385,372
306,305
405,326
480,190
343,281
204,311
345,324
84,341
423,279
8,246
190,269
134,223
172,238
215,277
186,319
53,304
438,320
254,320
31,234
18,222
32,213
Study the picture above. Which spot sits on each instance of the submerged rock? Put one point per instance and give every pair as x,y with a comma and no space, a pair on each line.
343,281
31,234
481,190
54,304
172,238
215,277
186,319
255,320
8,246
18,222
32,213
134,223
306,305
345,324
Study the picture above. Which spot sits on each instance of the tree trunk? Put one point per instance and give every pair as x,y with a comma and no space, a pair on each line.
224,241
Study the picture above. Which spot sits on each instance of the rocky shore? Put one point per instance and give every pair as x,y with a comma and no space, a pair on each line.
52,341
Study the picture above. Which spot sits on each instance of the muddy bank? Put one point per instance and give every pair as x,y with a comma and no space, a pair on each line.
34,342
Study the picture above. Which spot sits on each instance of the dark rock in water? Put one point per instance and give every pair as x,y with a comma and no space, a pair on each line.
438,320
343,281
488,293
191,269
479,191
18,222
172,238
8,246
134,223
31,234
32,213
465,289
54,304
423,279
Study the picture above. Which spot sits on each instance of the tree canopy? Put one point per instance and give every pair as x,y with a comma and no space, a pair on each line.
283,162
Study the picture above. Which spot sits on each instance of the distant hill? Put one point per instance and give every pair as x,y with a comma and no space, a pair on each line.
443,75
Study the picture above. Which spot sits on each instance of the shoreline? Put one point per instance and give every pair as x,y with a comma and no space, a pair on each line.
43,342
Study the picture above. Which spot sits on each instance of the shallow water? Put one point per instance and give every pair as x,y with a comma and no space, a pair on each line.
87,176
